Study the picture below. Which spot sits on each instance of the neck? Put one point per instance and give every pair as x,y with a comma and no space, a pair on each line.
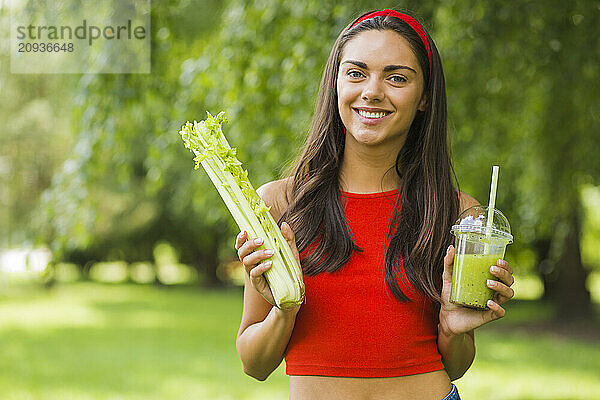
369,169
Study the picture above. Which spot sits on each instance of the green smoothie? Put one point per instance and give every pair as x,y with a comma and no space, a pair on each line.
469,279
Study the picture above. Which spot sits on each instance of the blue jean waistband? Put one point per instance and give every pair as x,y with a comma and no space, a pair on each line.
453,395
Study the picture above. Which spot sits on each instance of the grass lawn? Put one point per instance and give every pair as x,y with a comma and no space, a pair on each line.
96,341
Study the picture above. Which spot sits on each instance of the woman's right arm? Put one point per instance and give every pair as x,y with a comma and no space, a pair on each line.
265,330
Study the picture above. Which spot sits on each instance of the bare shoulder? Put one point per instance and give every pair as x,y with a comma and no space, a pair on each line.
274,195
467,201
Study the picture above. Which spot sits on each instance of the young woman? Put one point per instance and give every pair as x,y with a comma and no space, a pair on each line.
368,210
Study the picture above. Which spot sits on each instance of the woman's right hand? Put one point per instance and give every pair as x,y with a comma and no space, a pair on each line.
252,259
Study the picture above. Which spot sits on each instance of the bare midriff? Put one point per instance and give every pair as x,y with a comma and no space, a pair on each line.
428,386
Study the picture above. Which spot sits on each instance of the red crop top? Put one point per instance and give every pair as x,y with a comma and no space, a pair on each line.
351,324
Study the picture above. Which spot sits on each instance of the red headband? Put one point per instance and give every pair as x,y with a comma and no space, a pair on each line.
406,18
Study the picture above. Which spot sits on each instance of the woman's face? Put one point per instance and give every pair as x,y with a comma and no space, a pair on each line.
379,88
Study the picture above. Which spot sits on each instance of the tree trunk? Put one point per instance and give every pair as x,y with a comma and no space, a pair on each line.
568,290
546,268
561,146
209,264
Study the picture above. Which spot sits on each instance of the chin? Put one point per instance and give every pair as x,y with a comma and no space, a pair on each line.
368,138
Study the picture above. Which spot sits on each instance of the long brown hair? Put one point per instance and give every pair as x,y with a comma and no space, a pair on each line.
430,201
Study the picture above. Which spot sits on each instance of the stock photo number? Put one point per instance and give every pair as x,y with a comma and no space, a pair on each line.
45,48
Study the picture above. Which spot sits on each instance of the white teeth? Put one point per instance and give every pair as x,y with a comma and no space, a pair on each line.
367,114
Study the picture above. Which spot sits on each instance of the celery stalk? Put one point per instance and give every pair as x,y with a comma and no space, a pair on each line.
211,149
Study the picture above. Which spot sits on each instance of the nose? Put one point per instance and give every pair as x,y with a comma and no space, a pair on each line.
372,90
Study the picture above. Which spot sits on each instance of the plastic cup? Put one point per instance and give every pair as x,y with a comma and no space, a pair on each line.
478,247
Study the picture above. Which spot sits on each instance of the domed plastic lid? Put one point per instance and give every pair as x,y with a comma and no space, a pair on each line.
474,220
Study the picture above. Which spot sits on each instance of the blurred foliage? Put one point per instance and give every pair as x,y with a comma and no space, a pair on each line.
35,138
523,93
127,176
523,88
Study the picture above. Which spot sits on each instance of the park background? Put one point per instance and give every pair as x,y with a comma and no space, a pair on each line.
118,276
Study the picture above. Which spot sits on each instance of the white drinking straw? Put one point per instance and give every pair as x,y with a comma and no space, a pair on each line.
492,203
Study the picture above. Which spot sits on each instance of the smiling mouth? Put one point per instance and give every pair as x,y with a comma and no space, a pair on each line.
372,115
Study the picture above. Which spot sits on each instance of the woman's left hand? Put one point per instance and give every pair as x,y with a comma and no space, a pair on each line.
455,319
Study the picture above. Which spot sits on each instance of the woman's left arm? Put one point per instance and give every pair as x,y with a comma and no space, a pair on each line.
457,350
456,341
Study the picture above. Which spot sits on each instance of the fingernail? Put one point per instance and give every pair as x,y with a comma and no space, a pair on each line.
269,252
258,241
490,303
491,282
268,263
448,249
493,268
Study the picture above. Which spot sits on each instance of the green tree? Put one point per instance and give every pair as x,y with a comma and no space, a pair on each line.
129,181
35,138
523,91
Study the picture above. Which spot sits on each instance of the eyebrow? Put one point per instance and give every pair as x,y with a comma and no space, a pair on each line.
387,68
